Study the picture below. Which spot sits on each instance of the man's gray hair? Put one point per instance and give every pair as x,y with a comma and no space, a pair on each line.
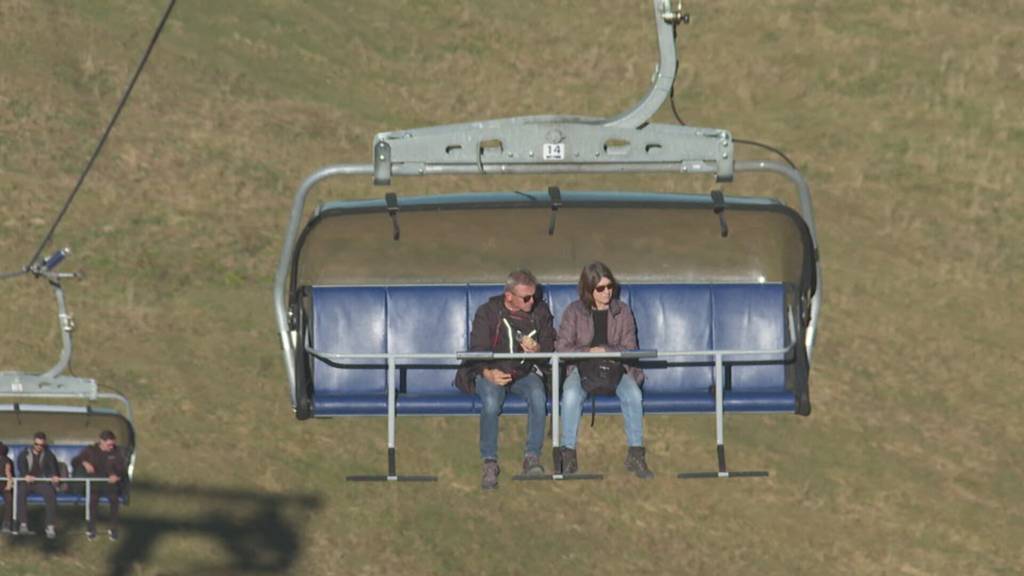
521,277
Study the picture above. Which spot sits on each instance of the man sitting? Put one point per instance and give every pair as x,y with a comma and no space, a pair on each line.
33,463
8,484
102,460
512,322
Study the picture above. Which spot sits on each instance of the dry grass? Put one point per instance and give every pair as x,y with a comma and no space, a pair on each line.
904,116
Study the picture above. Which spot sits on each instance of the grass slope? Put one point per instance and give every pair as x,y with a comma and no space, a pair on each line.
905,117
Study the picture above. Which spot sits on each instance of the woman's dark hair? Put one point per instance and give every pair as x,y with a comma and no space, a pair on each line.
590,277
3,449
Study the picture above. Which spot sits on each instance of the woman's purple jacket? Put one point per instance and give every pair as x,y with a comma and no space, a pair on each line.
576,331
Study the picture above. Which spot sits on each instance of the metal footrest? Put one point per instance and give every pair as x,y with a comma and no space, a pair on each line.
392,475
723,471
727,474
560,477
403,478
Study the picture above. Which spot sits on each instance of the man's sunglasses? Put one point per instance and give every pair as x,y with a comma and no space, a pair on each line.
527,298
603,287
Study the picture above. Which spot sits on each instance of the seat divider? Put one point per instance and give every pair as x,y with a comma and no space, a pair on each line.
555,448
723,470
392,475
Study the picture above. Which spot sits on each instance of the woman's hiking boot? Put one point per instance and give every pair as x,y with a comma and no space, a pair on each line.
489,481
637,463
569,463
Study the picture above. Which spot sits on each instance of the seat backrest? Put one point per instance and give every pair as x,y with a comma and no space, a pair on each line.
439,318
674,318
751,317
424,320
350,320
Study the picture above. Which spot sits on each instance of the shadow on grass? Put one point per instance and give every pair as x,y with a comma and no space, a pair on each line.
257,531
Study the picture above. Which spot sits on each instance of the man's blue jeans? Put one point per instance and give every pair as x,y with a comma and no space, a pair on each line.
530,387
630,398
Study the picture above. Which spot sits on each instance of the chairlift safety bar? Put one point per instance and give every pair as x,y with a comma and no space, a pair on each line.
41,480
555,359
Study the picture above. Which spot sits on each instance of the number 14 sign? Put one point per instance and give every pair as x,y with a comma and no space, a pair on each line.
554,151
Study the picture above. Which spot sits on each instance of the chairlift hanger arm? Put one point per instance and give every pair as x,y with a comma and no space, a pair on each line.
666,18
558,144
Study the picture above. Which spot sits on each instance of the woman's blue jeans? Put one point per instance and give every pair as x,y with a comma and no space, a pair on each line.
530,387
630,398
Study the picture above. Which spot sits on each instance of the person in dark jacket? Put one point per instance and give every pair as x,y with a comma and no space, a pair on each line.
8,492
103,460
514,321
600,322
34,463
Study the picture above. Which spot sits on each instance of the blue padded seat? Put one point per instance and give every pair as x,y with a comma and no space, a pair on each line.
350,320
558,298
65,453
428,319
674,318
438,319
751,317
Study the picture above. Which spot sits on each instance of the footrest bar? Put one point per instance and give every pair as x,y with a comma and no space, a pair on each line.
403,478
560,477
727,474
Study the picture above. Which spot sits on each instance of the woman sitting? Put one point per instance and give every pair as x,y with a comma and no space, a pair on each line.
599,322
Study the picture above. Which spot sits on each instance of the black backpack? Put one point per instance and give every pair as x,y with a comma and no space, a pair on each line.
600,376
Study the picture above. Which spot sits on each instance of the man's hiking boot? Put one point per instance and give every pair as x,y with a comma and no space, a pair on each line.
489,481
112,534
532,465
569,464
90,534
24,531
637,464
51,532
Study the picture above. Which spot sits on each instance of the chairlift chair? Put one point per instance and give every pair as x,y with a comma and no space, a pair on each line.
373,298
71,410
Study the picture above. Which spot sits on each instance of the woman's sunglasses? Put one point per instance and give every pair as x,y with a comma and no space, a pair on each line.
603,287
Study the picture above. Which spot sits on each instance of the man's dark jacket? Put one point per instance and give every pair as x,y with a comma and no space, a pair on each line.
105,463
48,464
484,337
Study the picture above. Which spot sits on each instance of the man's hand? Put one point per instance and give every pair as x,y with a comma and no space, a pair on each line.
529,344
55,480
113,479
30,478
88,467
498,377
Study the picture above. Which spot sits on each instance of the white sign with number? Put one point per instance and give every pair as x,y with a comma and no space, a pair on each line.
554,151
